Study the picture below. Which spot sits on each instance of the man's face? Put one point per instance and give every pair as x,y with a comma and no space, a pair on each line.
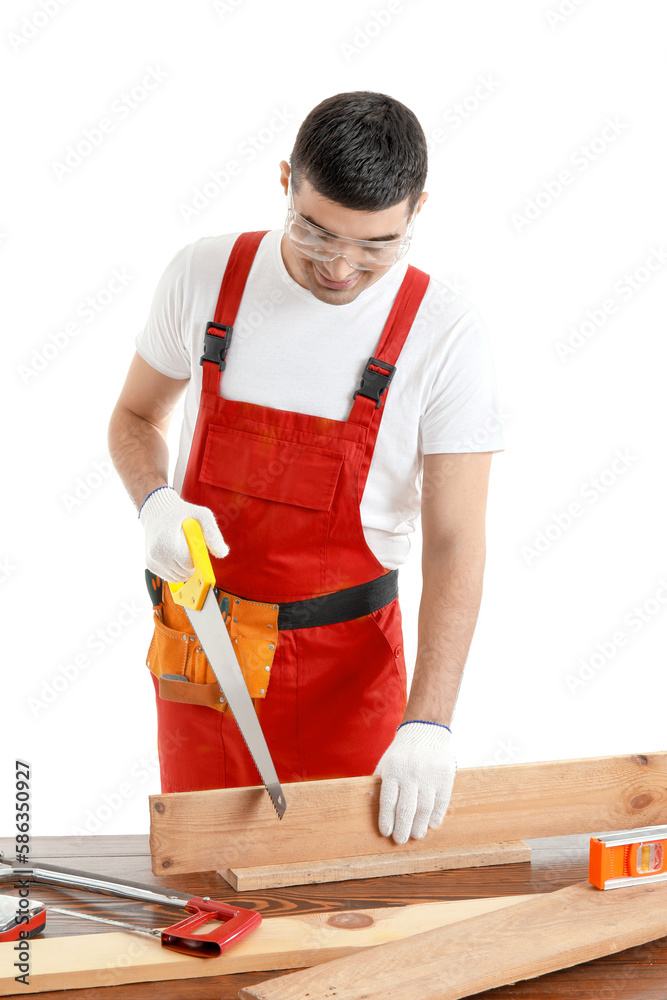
336,281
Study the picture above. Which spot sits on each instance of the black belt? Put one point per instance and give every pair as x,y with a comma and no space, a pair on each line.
342,605
328,609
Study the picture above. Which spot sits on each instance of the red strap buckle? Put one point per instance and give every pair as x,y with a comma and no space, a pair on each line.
375,380
216,345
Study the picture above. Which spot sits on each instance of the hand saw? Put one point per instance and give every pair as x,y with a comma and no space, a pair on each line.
197,598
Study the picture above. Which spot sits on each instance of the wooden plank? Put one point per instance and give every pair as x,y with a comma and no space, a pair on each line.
375,866
90,960
539,935
90,844
238,827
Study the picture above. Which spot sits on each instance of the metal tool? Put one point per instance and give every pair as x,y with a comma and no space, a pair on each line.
628,857
181,937
20,922
198,599
134,928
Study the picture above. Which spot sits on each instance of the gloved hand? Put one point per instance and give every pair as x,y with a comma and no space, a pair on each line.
167,554
417,771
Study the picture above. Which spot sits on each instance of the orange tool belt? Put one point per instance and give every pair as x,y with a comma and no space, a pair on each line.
175,651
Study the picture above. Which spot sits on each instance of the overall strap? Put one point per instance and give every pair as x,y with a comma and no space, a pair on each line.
219,332
369,399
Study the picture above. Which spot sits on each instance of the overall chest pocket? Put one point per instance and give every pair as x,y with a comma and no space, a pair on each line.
270,468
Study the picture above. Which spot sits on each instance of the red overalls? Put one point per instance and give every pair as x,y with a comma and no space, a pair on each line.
285,488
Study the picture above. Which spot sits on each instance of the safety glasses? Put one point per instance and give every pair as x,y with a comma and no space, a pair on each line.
363,255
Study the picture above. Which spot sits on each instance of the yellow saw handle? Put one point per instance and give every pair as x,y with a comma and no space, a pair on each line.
192,593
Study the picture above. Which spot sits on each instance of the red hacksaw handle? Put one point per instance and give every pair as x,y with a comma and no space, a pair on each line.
237,922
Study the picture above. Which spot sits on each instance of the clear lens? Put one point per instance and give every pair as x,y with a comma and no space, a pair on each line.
365,255
327,248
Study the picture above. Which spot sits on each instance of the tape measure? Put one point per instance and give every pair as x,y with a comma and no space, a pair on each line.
28,920
628,857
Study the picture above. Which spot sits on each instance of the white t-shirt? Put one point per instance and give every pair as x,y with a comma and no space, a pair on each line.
291,351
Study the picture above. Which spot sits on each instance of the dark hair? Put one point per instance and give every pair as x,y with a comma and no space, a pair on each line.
362,150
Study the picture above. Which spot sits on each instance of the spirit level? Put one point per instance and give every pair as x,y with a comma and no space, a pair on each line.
628,857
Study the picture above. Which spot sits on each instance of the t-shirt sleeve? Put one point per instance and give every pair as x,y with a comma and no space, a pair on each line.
161,342
463,412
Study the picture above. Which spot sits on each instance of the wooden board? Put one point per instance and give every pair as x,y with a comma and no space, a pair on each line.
90,960
238,827
539,935
375,866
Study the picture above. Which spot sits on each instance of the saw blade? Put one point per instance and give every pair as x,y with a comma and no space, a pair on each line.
153,931
217,645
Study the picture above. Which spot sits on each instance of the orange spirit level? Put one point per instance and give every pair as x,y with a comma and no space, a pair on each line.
628,857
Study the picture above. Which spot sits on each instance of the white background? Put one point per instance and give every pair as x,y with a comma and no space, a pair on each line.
510,95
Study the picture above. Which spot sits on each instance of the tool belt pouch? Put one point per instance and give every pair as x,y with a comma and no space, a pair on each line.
175,649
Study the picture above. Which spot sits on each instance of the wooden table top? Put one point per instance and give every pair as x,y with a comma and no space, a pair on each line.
638,973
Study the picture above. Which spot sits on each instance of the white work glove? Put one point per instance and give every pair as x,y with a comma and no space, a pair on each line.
167,554
417,772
